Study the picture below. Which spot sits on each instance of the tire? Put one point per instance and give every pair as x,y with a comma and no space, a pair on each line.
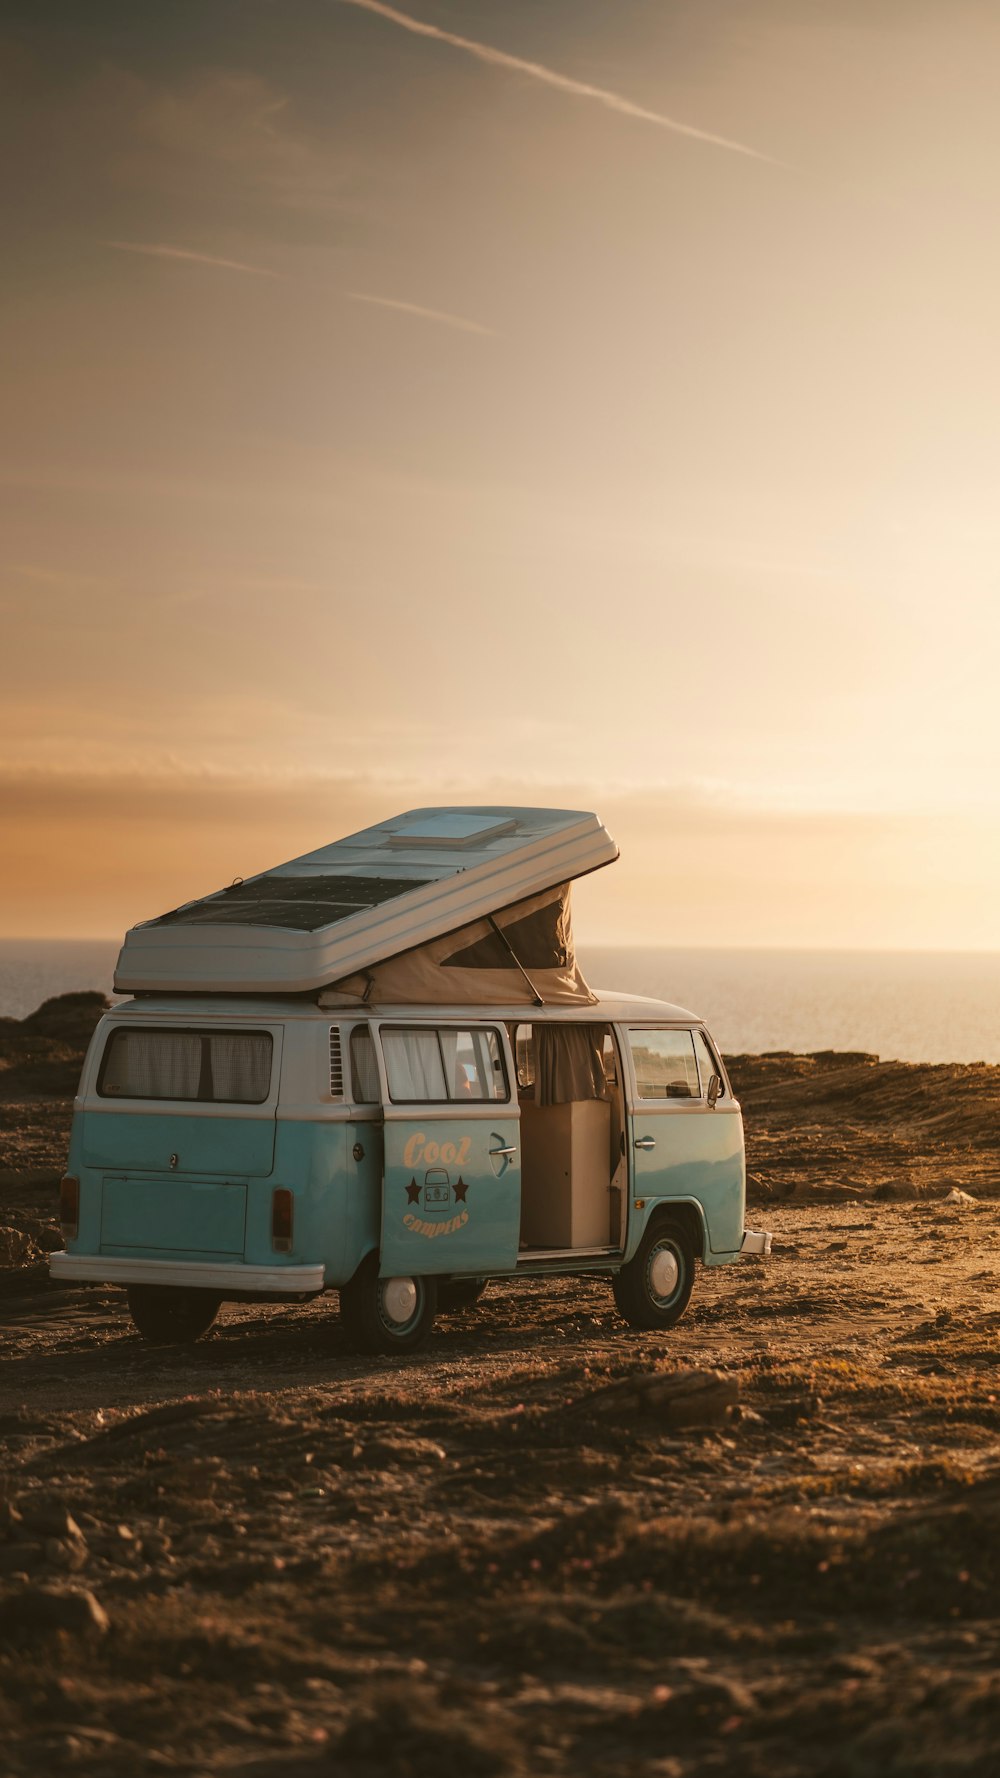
650,1291
374,1313
460,1293
168,1315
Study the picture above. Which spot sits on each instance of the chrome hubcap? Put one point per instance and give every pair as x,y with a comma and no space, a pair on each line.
664,1273
399,1300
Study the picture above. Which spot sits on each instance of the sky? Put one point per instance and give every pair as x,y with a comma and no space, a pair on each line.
578,404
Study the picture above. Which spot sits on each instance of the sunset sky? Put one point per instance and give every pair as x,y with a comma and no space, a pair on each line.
591,404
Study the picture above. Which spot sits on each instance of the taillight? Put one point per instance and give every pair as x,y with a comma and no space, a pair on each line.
69,1205
281,1219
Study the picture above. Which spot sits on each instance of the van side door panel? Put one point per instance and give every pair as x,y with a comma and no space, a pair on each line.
451,1189
680,1146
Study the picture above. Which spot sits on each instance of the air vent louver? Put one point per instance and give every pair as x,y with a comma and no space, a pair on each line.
336,1064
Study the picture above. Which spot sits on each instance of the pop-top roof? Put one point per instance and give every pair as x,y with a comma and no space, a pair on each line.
359,900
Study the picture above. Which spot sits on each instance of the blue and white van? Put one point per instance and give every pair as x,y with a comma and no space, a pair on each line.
273,1144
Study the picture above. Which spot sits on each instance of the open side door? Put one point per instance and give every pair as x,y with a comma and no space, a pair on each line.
451,1186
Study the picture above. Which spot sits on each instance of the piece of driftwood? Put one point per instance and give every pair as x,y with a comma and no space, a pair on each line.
675,1398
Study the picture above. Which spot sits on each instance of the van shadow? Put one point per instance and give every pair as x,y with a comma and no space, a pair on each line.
91,1349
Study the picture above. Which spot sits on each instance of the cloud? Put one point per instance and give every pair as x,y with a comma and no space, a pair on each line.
440,315
499,58
159,251
143,840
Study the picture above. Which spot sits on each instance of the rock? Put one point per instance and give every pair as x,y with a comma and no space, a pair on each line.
676,1398
398,1447
68,1553
709,1696
49,1238
40,1609
15,1246
10,1519
48,1518
958,1196
72,1018
21,1558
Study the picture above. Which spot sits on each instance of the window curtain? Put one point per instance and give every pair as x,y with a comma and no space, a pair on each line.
241,1066
568,1063
413,1065
154,1065
172,1065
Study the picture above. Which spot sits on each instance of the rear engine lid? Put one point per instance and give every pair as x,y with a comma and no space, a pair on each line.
177,1216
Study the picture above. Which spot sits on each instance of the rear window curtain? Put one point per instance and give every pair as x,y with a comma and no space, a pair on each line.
230,1067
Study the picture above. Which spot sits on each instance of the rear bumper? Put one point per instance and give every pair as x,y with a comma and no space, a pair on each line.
224,1277
757,1241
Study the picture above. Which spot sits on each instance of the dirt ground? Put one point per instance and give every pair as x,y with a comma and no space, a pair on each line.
262,1554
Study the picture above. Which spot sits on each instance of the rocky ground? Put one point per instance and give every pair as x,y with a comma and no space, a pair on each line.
504,1556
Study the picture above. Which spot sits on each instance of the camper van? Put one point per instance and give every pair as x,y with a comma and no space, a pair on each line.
379,1070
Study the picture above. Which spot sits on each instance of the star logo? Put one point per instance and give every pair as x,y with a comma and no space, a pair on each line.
413,1192
460,1188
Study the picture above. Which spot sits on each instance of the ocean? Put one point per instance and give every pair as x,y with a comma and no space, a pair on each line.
913,1006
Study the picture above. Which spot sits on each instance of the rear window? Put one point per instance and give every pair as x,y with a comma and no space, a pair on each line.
212,1067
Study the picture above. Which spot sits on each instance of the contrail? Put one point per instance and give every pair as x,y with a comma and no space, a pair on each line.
161,252
499,58
441,315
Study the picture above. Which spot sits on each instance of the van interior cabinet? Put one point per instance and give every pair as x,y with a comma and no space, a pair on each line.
565,1197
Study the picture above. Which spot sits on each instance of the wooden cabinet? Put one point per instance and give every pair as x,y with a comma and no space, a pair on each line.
565,1174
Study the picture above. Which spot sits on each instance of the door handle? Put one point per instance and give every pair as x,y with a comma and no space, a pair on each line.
510,1150
644,1142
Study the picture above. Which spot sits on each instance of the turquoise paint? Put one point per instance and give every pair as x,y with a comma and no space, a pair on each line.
88,1236
699,1158
158,1214
336,1197
217,1142
448,1204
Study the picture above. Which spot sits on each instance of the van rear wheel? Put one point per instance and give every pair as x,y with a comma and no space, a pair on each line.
168,1315
387,1314
653,1290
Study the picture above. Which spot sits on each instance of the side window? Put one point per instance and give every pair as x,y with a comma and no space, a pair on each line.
708,1064
665,1066
444,1066
364,1071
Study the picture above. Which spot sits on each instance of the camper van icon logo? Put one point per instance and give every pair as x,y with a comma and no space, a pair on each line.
437,1190
437,1200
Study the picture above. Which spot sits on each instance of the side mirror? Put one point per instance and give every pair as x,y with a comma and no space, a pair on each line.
714,1088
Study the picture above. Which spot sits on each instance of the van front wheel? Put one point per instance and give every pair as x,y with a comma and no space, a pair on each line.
168,1315
387,1314
652,1291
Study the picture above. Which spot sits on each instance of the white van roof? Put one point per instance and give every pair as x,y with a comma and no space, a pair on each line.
359,900
609,1007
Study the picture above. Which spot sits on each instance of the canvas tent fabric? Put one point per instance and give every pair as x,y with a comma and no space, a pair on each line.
522,954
